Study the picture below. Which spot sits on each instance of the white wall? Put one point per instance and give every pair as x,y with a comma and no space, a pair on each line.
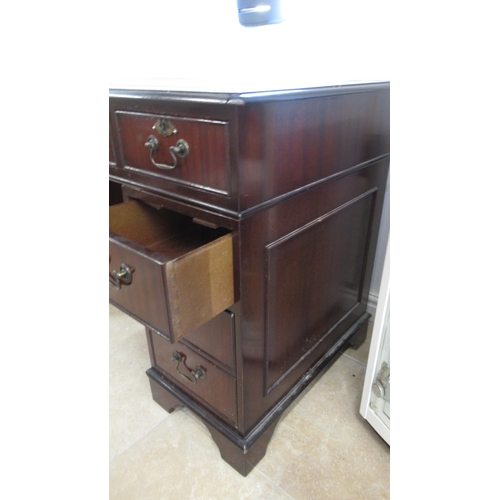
184,39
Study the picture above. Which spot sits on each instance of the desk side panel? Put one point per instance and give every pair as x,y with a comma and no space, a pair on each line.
286,145
305,281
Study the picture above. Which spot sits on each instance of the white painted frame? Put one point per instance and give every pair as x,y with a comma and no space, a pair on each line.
381,316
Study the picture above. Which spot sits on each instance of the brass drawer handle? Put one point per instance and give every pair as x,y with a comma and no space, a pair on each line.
181,149
198,373
124,275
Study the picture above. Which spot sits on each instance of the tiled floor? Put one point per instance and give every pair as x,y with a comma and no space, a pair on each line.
321,449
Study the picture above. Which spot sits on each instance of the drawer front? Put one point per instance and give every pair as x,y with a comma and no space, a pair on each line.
214,386
206,166
145,297
167,272
215,340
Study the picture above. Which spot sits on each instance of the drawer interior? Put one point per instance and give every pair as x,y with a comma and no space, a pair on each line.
168,233
181,272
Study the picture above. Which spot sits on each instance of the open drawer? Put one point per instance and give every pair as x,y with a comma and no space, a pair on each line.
166,271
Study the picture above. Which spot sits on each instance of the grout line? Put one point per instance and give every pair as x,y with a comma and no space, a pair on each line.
270,481
137,441
354,359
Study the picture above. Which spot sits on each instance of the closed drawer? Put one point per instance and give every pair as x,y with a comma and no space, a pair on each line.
166,271
215,340
196,374
206,166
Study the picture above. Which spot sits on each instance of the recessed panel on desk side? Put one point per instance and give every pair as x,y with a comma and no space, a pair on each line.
305,280
314,279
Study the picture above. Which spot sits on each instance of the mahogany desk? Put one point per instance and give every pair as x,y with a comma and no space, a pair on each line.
243,230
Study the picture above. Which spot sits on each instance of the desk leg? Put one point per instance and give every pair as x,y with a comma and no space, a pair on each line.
357,340
166,400
242,460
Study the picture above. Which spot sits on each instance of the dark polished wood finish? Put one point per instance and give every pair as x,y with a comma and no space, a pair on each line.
291,144
115,194
305,280
296,181
217,389
206,166
182,272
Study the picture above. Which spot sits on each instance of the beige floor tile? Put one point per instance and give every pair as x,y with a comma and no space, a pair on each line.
324,449
177,460
131,412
